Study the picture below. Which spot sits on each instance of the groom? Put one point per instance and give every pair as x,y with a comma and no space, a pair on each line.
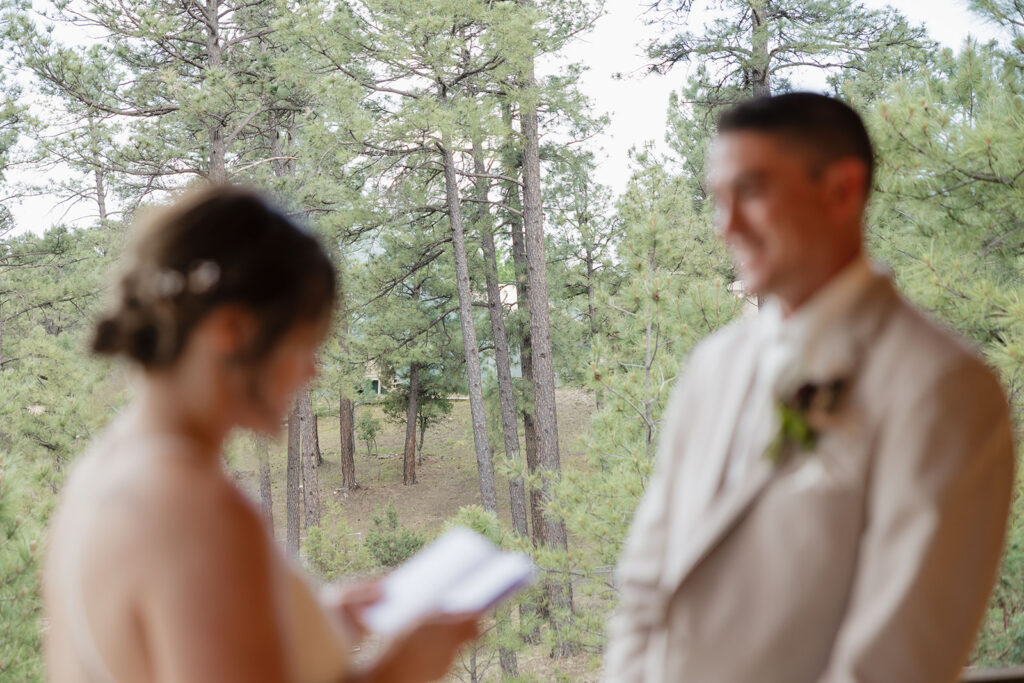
833,477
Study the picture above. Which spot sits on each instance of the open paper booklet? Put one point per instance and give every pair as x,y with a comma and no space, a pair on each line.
459,572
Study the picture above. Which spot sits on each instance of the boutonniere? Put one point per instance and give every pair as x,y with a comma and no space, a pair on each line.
802,416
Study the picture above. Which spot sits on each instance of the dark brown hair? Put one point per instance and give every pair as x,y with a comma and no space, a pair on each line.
829,128
220,245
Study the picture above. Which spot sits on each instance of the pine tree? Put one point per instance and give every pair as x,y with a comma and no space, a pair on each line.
673,291
946,218
750,48
51,403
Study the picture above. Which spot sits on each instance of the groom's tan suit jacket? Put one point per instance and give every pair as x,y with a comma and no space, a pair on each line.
869,559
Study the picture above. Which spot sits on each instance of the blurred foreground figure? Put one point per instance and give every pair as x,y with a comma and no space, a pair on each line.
834,474
159,569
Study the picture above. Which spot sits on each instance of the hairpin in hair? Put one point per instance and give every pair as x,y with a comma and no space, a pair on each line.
168,283
203,277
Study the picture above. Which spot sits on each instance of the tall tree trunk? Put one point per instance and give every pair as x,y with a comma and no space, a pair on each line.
513,162
101,195
509,663
346,411
266,493
469,344
502,363
530,439
310,458
506,398
559,592
315,423
650,349
215,57
293,495
592,315
423,434
759,78
346,424
409,456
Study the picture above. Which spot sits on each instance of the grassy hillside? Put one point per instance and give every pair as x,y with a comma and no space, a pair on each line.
446,479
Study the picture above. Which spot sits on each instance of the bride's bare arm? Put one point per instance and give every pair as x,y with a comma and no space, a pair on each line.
211,610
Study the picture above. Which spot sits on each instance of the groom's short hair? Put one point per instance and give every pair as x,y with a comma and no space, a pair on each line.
830,128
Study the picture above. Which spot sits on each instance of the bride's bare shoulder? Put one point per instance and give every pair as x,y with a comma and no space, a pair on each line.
159,498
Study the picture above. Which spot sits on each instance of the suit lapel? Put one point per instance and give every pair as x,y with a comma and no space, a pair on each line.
718,517
712,466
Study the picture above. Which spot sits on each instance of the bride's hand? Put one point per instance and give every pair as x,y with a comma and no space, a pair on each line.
350,602
426,651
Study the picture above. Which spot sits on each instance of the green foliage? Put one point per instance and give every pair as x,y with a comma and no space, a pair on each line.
747,48
51,402
333,550
674,279
22,510
433,405
388,543
340,108
947,219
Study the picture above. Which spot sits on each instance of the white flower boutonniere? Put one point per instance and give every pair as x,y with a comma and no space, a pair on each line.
802,417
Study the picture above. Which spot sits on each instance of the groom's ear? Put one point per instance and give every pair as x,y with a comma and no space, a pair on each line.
845,187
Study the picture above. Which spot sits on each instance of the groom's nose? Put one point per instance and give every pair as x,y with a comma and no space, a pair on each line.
729,219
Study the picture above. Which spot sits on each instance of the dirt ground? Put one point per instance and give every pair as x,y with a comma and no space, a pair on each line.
446,479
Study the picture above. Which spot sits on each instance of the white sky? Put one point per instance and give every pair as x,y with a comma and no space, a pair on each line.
636,104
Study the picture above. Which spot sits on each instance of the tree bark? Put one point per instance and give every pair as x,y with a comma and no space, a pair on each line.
532,446
592,314
316,439
346,424
346,411
266,493
310,459
514,165
419,450
469,344
215,53
502,362
293,495
513,162
759,78
559,592
509,664
409,457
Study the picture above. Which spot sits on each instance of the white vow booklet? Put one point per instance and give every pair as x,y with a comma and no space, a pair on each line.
459,572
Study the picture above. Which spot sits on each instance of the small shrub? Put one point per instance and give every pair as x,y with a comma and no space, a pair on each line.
389,543
332,550
368,427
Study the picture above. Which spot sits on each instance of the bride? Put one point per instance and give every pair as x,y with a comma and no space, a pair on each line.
159,569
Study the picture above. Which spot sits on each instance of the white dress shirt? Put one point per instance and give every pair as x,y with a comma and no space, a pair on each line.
790,357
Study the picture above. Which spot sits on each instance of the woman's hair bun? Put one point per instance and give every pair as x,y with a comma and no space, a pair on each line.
123,335
220,245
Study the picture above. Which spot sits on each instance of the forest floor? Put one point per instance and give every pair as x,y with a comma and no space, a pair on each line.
446,481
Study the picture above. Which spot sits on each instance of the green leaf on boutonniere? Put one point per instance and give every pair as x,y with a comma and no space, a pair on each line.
794,430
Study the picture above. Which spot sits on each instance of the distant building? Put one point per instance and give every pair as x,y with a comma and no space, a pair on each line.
372,383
